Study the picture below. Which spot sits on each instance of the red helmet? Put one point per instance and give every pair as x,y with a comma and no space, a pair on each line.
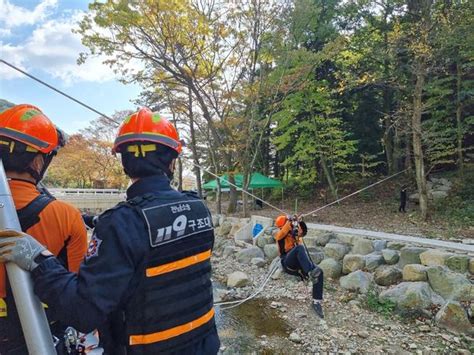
27,124
145,125
280,221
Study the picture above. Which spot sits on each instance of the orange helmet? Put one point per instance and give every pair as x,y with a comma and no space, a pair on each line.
280,221
27,124
145,125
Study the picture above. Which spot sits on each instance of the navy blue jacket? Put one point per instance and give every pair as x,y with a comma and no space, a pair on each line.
107,277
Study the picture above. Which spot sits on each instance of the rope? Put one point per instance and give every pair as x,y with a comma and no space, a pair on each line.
57,90
352,194
260,289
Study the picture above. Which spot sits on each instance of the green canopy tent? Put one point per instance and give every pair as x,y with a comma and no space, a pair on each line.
257,181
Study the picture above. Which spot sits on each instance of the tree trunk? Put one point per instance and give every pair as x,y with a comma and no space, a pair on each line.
245,185
408,162
387,97
192,131
459,130
232,195
330,179
417,140
219,198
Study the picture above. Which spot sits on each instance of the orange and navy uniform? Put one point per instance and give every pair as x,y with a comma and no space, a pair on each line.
285,239
60,229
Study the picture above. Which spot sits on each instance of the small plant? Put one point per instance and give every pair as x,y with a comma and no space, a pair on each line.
373,303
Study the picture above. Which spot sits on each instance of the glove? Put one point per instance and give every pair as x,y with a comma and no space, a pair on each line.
19,248
90,221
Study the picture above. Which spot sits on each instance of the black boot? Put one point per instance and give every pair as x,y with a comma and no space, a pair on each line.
318,309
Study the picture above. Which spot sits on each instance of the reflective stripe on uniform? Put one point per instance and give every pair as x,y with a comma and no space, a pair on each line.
172,332
3,308
179,264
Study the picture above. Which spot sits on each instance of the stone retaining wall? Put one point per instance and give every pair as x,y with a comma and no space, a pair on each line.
417,280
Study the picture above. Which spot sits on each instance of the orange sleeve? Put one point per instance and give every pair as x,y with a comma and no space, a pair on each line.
77,246
283,232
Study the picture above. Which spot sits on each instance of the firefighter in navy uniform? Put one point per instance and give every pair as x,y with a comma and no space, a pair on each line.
146,280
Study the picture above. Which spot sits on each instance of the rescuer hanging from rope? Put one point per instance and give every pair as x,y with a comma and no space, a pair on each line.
146,280
28,143
295,259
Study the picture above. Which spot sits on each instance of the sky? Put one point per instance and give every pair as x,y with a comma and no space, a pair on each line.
36,35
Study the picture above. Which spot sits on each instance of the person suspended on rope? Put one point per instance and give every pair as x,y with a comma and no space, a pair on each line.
28,143
146,280
294,256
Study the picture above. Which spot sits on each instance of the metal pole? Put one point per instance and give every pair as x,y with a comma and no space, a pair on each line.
32,317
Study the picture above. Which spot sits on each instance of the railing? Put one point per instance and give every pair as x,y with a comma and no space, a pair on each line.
71,191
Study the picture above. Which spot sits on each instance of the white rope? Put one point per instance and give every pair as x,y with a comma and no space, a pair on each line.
260,289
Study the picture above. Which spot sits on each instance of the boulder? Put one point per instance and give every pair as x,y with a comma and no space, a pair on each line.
379,245
316,255
415,272
244,256
325,238
237,279
331,268
471,265
414,197
229,250
220,244
357,281
434,257
390,256
458,263
363,246
346,238
445,188
258,262
224,229
264,239
271,251
336,251
439,195
387,275
373,261
311,241
352,262
410,255
215,220
450,285
453,316
235,228
395,245
411,296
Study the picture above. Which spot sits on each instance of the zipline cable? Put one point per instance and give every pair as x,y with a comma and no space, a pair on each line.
57,90
352,194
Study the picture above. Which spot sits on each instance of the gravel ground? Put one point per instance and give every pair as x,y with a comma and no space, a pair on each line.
348,328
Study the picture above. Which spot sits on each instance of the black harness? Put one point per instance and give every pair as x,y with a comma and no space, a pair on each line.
29,215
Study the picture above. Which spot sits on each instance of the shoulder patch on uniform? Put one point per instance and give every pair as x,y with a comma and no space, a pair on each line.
94,245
